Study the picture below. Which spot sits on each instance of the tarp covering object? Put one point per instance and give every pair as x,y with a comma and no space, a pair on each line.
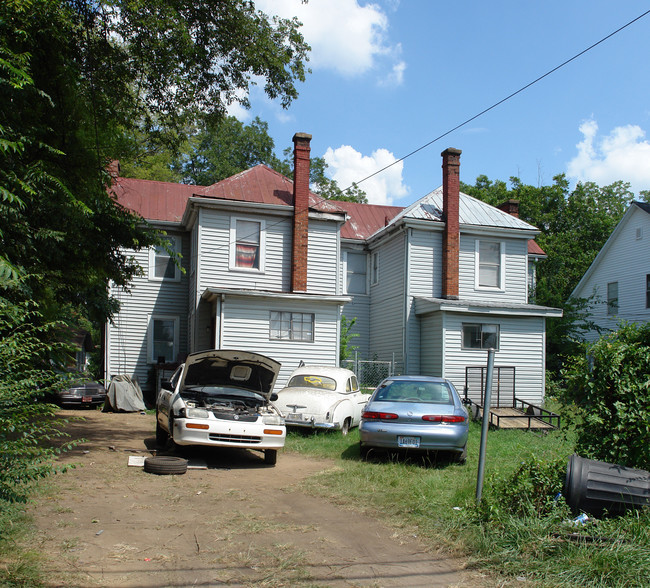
124,395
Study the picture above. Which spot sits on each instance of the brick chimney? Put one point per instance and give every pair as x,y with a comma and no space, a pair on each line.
511,207
451,235
301,151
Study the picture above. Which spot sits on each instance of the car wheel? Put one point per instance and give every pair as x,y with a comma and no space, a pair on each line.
345,427
165,464
270,456
364,450
161,435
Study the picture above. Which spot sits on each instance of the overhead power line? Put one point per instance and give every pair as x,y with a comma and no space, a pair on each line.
469,120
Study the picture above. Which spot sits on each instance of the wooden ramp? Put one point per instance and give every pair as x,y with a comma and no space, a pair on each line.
528,417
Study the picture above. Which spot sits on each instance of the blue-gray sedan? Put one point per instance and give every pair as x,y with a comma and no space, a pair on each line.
418,413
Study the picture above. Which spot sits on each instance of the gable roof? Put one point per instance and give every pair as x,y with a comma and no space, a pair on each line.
366,219
166,201
471,211
634,205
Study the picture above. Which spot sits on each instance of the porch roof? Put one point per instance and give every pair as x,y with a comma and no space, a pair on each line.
428,305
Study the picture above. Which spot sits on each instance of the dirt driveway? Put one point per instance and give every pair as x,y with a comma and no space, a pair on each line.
237,523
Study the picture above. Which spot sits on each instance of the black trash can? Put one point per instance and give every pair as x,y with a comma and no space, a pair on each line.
596,487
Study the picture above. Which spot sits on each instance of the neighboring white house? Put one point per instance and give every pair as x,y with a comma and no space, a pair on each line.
618,280
431,286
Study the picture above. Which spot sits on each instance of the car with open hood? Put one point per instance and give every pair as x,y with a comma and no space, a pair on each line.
222,398
321,397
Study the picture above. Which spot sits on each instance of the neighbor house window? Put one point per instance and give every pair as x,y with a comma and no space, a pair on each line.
490,264
356,273
247,244
612,298
161,263
292,326
480,336
647,291
163,339
374,268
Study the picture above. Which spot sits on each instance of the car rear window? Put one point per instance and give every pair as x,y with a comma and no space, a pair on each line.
430,392
309,381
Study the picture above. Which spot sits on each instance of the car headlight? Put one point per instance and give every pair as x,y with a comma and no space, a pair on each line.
272,419
196,413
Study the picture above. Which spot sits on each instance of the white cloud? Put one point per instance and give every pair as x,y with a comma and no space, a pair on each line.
347,166
343,35
624,154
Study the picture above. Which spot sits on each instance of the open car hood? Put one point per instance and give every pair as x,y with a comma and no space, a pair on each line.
228,367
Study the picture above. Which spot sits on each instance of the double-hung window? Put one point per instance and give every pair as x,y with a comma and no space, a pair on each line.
356,273
292,326
480,336
247,244
612,298
161,263
490,264
163,339
374,268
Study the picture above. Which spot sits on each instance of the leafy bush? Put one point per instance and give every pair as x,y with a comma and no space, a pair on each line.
27,426
610,387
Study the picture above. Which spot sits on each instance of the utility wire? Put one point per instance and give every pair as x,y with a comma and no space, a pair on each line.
469,120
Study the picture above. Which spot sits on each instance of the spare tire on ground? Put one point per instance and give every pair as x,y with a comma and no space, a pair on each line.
165,464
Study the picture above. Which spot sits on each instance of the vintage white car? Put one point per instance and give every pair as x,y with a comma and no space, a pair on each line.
222,398
319,397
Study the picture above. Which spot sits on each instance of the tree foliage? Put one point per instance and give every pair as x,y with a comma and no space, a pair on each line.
574,226
610,385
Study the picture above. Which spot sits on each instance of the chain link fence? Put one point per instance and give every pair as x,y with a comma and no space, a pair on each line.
371,372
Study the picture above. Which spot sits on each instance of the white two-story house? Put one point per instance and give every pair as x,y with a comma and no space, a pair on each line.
268,266
618,280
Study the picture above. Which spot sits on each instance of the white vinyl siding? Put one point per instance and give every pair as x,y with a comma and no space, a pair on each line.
127,337
387,303
245,325
515,271
626,260
521,345
425,263
323,255
431,345
359,309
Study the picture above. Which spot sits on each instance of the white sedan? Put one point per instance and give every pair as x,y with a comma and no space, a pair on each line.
319,397
222,398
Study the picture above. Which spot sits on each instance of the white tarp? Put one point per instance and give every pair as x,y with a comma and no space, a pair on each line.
124,395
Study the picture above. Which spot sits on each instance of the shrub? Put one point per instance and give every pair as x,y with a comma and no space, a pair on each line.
27,425
610,386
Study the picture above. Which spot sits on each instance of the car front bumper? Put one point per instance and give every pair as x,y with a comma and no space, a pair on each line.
438,437
228,434
66,400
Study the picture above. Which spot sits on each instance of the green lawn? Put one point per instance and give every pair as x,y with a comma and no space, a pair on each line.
518,533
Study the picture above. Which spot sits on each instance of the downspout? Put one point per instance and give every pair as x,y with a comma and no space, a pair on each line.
407,279
221,301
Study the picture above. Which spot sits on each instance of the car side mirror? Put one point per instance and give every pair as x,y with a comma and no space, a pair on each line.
166,385
273,397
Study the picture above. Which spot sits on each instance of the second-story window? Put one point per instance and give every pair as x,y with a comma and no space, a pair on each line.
161,263
247,244
356,273
489,264
374,268
612,298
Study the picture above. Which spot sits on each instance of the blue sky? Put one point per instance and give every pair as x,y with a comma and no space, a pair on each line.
390,76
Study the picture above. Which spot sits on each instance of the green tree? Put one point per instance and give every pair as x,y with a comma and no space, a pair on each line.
610,385
574,226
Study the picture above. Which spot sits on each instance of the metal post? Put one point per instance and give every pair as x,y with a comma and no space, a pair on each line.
485,424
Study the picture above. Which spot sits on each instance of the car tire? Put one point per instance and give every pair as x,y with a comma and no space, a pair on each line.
165,465
270,456
345,427
161,435
364,450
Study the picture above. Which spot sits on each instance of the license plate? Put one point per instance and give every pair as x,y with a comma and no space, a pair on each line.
408,442
86,399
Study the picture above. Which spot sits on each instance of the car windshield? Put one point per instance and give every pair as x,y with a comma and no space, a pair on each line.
430,392
310,381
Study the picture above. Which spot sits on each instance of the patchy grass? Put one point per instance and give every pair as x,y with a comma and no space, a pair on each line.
518,532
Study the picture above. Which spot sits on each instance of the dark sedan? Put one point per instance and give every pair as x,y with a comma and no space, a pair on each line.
415,413
82,394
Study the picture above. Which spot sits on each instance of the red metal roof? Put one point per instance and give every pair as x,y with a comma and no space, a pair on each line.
534,248
365,219
165,201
